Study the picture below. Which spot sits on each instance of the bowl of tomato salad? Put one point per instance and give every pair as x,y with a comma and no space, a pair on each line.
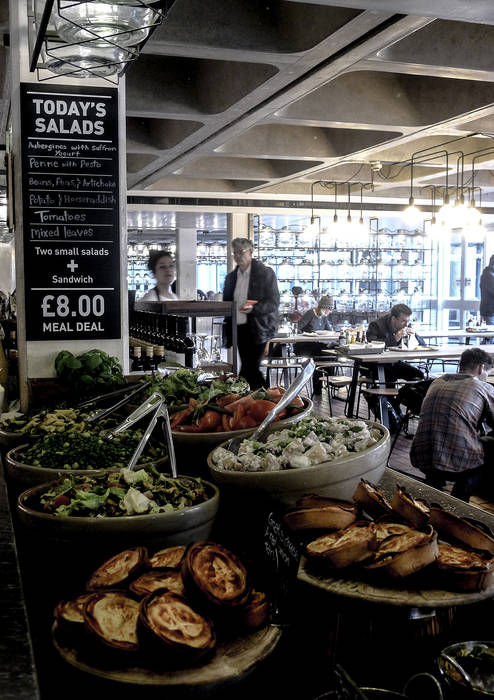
232,415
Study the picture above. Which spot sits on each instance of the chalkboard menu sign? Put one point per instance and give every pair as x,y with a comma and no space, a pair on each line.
70,182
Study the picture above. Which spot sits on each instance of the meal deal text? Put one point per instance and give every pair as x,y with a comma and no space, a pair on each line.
71,212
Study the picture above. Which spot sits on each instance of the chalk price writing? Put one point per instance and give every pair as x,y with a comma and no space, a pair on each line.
59,305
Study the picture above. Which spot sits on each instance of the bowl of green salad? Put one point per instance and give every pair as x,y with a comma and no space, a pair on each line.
143,502
323,456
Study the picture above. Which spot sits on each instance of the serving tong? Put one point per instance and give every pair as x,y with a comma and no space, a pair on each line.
292,391
155,405
106,411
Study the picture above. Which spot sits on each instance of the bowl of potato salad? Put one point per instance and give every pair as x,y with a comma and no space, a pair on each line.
323,456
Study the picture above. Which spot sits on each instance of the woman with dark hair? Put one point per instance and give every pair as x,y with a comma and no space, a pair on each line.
162,265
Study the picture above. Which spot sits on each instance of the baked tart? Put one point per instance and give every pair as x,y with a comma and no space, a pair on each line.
372,499
214,575
117,571
470,532
168,622
464,570
150,581
344,547
321,514
111,616
398,556
168,558
414,510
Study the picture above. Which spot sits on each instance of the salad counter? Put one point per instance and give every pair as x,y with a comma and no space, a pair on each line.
51,571
199,590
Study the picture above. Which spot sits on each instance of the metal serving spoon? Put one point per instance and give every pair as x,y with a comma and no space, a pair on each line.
292,391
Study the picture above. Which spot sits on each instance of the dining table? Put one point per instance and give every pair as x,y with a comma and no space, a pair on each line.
315,337
390,356
463,335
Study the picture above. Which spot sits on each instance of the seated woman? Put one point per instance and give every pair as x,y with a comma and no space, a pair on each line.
315,319
162,265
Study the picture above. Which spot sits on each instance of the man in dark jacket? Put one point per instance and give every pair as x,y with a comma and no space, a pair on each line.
251,281
487,293
393,329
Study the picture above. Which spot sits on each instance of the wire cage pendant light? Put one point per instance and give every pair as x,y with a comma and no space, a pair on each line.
90,38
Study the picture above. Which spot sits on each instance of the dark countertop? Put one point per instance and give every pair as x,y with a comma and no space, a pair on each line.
51,571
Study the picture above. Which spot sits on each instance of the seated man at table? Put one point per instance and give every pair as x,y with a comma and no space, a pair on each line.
393,328
447,446
315,319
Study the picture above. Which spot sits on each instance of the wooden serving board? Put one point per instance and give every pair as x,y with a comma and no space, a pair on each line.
401,594
232,660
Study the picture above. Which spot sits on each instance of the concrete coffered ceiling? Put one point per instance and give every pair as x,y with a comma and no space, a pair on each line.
266,97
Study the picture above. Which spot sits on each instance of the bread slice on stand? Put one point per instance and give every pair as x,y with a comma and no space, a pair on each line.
317,513
469,532
414,510
401,555
344,547
464,570
372,499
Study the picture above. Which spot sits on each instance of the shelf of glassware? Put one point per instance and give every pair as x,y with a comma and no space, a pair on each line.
194,311
139,277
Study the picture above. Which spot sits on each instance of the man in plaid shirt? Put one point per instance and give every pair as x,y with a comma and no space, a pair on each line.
446,446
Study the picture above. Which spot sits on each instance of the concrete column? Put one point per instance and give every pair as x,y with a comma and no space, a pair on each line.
186,256
36,358
237,226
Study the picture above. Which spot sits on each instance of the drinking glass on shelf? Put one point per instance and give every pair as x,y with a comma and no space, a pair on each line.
215,349
202,352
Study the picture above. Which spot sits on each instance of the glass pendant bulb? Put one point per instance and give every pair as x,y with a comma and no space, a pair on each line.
101,23
445,212
313,227
84,61
412,213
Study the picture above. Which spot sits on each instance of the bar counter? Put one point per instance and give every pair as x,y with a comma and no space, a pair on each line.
299,667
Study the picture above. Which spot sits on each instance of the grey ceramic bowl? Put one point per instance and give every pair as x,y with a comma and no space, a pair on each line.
26,475
337,479
180,527
214,439
10,438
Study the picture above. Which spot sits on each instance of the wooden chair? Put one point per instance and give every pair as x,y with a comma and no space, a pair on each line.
332,384
284,368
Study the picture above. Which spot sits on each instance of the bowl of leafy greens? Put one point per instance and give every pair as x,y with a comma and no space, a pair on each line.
122,502
205,412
